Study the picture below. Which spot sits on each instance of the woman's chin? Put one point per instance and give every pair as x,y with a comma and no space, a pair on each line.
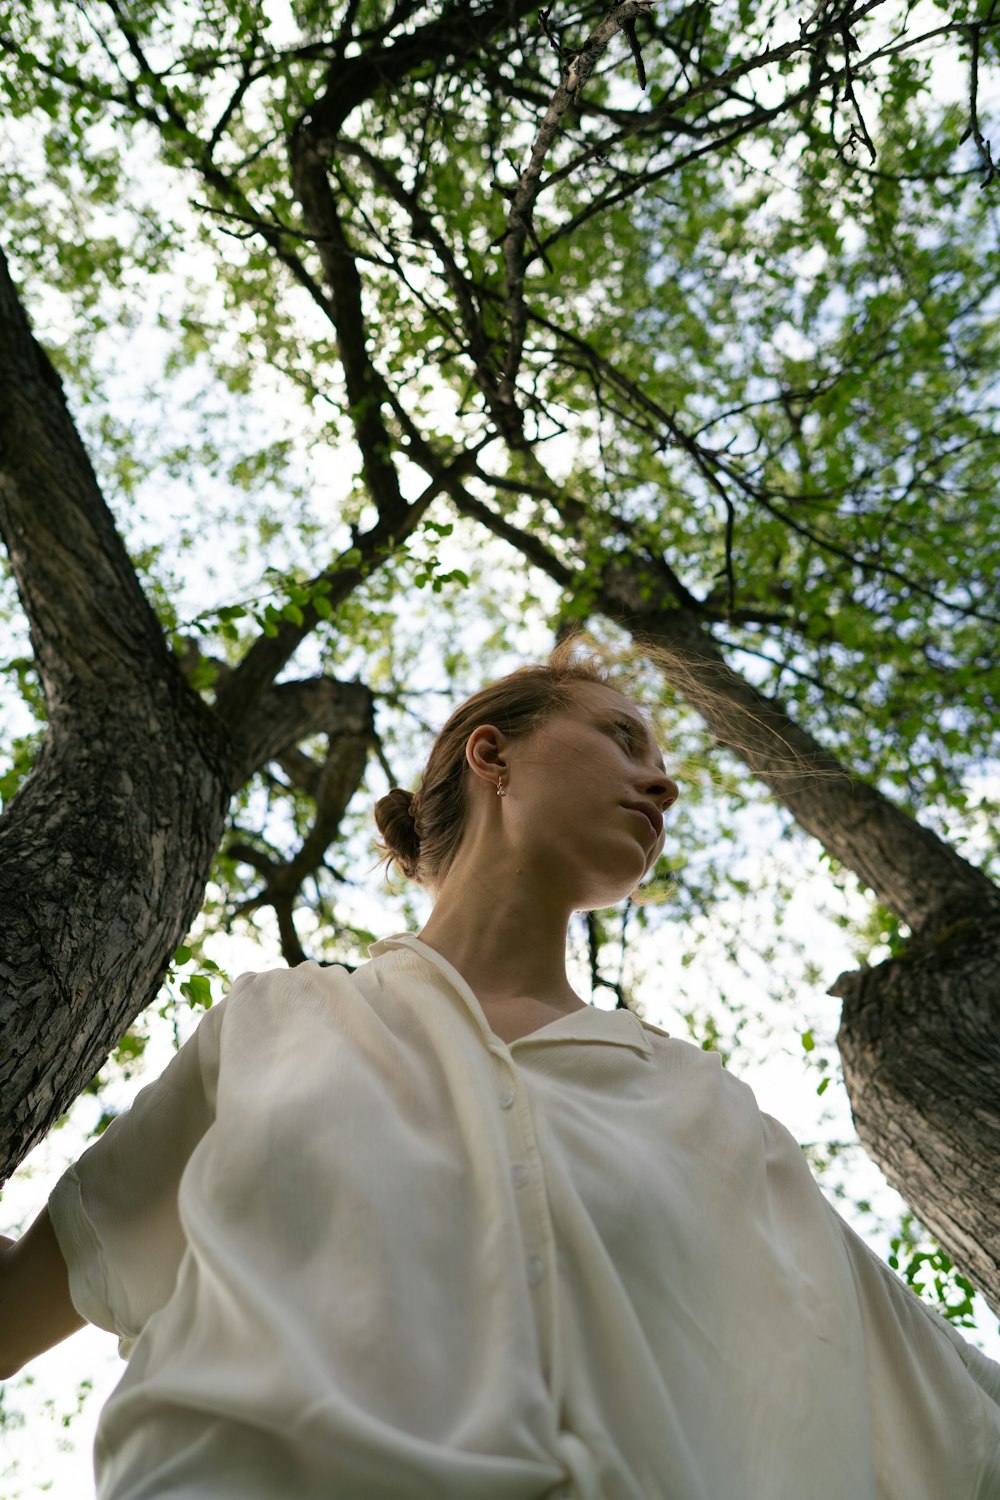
610,893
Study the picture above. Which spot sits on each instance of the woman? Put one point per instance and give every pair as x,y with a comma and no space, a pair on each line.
438,1230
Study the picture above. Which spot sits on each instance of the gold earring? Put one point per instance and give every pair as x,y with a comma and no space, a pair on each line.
500,787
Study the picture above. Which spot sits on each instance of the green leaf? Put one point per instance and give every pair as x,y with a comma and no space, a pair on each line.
198,989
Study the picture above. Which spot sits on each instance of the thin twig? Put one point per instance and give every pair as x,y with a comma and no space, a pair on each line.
856,134
266,227
974,130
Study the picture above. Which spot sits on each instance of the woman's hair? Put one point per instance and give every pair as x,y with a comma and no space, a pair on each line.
422,830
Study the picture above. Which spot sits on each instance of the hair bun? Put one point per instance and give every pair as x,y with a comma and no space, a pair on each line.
395,819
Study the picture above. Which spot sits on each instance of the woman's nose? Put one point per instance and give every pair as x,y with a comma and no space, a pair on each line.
665,791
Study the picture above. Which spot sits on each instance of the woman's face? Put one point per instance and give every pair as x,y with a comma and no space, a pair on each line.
569,819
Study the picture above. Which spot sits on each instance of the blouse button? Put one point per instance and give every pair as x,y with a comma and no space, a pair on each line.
506,1099
536,1270
519,1175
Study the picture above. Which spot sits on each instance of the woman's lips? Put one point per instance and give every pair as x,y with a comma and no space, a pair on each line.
637,814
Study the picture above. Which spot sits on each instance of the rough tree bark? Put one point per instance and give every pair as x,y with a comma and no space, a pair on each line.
106,850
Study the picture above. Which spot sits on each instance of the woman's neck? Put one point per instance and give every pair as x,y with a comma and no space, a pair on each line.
503,938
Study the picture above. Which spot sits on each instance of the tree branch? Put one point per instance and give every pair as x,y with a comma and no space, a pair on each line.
332,784
711,463
478,343
531,547
459,32
92,628
758,115
239,697
365,387
574,511
917,875
290,712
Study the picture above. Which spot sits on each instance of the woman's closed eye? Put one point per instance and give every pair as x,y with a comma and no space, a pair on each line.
626,730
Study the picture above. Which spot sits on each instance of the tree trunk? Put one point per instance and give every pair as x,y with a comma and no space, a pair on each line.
104,857
920,1042
919,1034
105,852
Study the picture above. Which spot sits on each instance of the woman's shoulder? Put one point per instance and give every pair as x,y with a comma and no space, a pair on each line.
678,1048
702,1068
280,989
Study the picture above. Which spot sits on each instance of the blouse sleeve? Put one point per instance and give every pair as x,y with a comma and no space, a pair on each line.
115,1212
934,1399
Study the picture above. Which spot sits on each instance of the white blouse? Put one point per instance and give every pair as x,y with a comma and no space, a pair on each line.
356,1247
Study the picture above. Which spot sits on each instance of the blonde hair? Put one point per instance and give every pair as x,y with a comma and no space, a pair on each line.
421,831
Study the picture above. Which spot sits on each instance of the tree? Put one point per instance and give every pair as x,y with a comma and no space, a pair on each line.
714,357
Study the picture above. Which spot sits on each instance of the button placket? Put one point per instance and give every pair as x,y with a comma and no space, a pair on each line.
529,1200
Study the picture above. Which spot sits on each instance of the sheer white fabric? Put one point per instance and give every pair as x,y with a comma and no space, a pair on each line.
357,1248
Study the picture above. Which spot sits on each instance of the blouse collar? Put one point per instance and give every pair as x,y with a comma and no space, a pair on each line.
620,1028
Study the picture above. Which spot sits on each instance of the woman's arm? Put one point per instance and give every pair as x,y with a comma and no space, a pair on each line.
116,1213
35,1307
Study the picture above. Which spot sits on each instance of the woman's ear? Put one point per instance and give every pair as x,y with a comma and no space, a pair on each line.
484,752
